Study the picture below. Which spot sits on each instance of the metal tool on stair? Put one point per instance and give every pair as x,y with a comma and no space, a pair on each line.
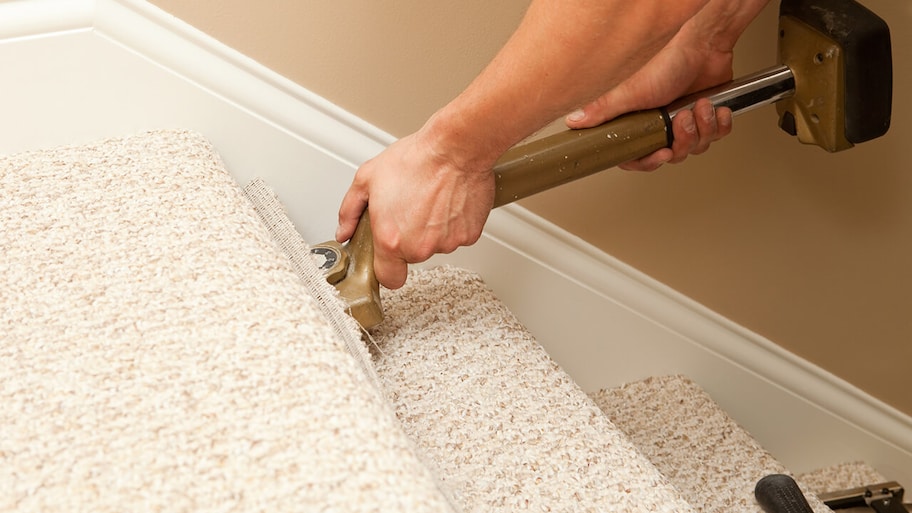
832,88
876,498
779,493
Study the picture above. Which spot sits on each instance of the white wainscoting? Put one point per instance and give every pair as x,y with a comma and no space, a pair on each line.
79,70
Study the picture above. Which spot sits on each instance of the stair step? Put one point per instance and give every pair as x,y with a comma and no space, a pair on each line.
160,354
713,462
843,476
503,426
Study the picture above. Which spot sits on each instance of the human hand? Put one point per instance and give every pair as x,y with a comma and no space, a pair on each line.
694,131
421,203
687,64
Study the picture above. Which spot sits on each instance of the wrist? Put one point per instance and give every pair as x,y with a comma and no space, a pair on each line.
451,136
721,22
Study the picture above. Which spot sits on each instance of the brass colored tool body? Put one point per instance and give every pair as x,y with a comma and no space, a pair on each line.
877,498
546,163
350,268
841,57
573,154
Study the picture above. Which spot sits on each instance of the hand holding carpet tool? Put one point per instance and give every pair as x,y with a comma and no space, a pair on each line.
779,493
832,88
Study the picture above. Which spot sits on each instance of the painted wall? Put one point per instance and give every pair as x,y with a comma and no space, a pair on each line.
808,249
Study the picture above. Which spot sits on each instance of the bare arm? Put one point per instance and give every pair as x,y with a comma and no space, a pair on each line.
432,191
563,54
698,57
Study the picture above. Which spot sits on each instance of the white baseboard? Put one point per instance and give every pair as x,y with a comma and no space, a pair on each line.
77,70
607,323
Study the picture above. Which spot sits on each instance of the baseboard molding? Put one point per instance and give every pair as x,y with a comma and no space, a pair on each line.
801,398
42,17
605,321
240,80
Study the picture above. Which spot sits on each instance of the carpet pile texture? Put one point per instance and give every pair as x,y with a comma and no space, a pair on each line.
505,427
713,461
170,345
161,354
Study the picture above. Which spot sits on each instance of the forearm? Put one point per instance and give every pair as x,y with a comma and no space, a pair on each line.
562,56
706,42
721,22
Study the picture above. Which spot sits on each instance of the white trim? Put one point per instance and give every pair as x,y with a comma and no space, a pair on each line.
163,38
532,250
807,417
25,18
618,282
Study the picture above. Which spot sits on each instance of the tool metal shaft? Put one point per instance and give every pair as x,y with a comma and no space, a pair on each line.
745,94
545,163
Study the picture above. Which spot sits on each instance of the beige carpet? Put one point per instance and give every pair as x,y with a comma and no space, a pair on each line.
452,359
707,455
505,427
843,476
160,354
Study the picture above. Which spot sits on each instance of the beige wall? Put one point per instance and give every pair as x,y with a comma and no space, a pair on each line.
812,250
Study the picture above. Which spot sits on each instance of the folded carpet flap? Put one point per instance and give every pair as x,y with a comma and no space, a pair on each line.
159,352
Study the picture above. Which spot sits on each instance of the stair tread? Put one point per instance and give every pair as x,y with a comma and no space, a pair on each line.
713,461
160,354
842,476
504,427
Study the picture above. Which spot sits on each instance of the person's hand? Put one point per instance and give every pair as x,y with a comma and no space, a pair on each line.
687,64
421,203
694,131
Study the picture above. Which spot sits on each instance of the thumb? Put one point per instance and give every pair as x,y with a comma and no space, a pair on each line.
585,117
391,272
596,112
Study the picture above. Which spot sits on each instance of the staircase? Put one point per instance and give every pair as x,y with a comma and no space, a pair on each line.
169,345
506,428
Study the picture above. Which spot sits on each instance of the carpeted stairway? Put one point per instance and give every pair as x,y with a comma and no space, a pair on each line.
170,346
500,419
